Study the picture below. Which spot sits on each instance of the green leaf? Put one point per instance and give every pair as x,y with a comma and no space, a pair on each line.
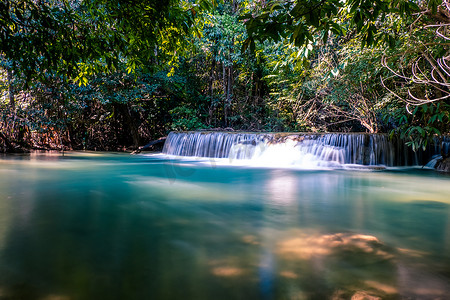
432,119
437,131
420,130
325,37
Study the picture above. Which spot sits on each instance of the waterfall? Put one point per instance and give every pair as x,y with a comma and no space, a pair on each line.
208,144
444,142
326,149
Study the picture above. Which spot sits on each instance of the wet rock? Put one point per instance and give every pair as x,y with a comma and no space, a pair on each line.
364,296
443,165
253,143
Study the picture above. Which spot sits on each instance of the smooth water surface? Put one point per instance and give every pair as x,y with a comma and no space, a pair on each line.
118,226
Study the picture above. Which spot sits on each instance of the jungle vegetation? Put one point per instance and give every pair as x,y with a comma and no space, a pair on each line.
115,74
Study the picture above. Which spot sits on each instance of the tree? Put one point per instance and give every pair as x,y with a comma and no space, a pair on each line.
49,45
78,38
421,75
303,21
379,26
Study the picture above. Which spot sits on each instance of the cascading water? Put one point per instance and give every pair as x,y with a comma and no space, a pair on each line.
441,146
299,149
208,144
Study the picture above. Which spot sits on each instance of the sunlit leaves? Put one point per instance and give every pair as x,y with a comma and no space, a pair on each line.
302,19
61,36
223,36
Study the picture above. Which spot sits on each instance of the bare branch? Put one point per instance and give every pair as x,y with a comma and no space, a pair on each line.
432,73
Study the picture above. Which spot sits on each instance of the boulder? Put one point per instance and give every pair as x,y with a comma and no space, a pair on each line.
443,165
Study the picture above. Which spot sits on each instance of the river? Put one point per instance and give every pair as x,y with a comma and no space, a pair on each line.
86,225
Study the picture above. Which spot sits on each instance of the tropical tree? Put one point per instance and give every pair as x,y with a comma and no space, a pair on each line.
409,37
47,46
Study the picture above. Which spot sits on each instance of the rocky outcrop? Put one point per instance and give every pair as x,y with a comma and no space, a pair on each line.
443,165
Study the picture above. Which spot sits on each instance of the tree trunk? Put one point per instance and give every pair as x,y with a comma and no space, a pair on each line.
224,86
132,126
211,91
12,103
229,88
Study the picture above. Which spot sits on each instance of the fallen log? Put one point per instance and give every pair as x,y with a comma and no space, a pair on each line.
159,141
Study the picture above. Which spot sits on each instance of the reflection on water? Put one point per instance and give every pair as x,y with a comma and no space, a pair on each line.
114,226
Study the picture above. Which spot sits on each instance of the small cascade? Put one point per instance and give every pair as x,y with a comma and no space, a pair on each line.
289,151
303,149
442,142
441,146
207,144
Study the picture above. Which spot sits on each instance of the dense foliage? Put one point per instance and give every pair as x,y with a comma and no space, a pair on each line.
112,75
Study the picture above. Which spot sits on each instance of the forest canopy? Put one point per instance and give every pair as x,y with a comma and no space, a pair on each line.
112,75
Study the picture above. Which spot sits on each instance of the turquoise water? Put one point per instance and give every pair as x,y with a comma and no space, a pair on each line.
118,226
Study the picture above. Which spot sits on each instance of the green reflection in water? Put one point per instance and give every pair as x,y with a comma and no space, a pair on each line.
115,226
